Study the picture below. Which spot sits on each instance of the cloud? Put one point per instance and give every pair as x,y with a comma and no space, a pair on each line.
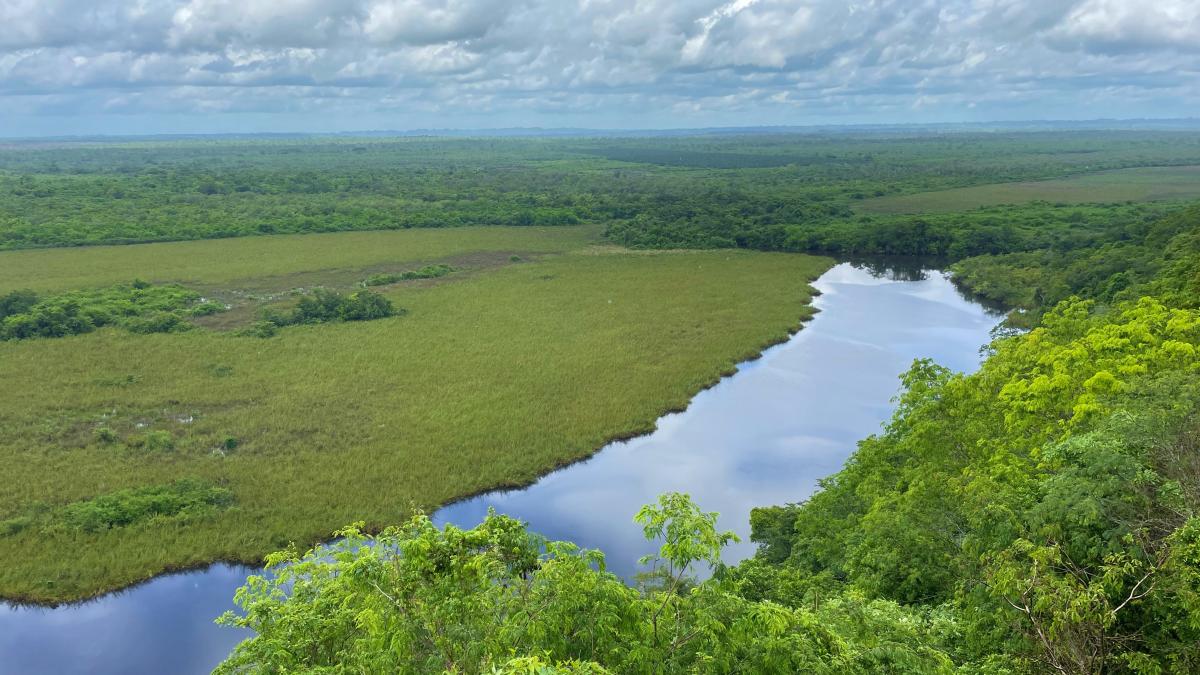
627,62
1113,26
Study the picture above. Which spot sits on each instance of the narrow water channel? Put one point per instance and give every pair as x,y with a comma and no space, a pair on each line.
763,436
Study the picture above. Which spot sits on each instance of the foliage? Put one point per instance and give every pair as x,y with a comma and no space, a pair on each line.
1149,183
427,272
767,190
1041,500
422,599
138,307
263,328
175,502
1128,258
16,302
324,305
158,440
181,499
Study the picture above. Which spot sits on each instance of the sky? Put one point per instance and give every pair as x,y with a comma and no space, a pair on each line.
80,67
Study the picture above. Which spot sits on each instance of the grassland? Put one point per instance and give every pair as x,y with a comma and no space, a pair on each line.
1140,185
495,375
273,261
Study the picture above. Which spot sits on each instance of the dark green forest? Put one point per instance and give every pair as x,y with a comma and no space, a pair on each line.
789,192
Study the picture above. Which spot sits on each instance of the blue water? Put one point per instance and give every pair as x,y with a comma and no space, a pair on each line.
763,436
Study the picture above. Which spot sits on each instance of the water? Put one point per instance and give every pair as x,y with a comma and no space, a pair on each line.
763,436
769,433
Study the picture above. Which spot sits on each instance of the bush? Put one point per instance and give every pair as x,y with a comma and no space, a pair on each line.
16,302
365,306
139,307
156,441
206,308
159,322
427,272
381,279
183,498
14,525
48,320
324,305
262,329
321,306
105,435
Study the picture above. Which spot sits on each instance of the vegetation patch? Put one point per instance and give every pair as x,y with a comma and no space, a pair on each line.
1114,264
1141,184
427,272
744,190
139,307
324,305
178,502
499,599
257,266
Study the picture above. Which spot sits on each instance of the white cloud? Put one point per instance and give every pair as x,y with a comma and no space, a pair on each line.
1123,26
682,60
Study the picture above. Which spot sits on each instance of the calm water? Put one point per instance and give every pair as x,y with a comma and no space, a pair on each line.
763,436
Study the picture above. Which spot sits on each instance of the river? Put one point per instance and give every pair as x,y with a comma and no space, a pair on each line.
765,435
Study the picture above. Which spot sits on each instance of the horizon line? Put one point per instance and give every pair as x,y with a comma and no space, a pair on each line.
1131,123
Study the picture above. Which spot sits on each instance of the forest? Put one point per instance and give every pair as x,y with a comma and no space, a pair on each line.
1037,515
793,192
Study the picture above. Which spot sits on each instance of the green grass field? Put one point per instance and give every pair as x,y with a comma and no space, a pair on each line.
274,261
1143,184
494,376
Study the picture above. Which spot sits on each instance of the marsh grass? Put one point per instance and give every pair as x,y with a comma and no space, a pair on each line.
490,380
283,261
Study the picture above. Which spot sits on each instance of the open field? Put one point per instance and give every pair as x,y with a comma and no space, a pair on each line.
269,261
491,378
1141,184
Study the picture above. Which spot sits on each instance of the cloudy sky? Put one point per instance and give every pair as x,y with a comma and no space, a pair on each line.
155,66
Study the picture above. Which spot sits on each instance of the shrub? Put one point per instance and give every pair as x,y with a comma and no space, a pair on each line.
381,279
48,320
14,525
16,302
427,272
324,305
261,329
105,435
183,498
320,306
365,306
156,441
139,307
206,308
159,322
